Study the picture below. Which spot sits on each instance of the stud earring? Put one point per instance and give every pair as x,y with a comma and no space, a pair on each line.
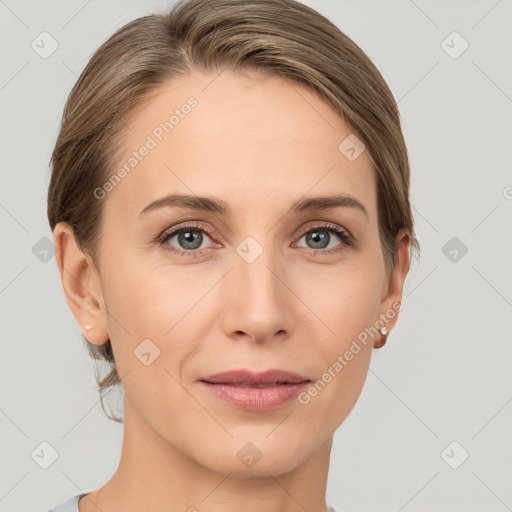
384,331
87,327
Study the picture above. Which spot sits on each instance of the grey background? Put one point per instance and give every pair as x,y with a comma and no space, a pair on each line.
444,374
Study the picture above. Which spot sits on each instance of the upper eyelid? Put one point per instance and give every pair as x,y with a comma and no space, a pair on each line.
190,224
325,224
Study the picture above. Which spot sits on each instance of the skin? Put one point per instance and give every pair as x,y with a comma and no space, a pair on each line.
258,143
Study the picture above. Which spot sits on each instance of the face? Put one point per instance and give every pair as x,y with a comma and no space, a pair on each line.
262,279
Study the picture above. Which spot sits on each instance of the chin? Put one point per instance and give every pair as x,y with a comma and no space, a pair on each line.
256,454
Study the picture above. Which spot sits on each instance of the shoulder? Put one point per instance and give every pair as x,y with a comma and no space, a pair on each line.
70,505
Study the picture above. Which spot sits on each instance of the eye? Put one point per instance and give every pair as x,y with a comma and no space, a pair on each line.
189,240
319,238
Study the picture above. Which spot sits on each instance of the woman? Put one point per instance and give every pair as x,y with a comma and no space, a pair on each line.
230,207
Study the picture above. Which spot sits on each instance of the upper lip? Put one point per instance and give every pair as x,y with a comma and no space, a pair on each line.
247,377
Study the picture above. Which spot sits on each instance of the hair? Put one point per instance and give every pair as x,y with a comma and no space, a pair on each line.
280,38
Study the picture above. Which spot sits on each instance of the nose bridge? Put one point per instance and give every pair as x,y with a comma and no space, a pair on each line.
259,302
259,275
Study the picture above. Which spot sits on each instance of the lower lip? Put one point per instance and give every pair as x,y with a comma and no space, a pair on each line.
256,399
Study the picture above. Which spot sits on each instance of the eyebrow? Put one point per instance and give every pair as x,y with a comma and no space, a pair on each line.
215,205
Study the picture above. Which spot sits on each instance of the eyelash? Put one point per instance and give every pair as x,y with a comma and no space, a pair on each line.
346,239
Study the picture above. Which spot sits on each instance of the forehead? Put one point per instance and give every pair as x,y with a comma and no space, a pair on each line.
245,139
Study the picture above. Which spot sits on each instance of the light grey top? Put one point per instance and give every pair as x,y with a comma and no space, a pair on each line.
71,505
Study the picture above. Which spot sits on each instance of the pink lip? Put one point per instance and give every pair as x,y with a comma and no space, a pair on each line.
256,391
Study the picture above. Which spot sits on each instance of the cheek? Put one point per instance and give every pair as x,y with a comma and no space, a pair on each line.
154,319
150,338
148,298
345,360
347,301
348,307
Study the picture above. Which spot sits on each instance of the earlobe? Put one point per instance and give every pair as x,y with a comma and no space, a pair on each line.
81,285
389,311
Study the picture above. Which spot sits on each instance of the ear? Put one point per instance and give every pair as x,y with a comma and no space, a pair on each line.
81,283
393,288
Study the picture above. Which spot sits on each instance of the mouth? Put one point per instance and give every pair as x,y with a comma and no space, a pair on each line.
246,378
251,391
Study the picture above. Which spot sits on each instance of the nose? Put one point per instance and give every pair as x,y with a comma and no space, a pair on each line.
258,304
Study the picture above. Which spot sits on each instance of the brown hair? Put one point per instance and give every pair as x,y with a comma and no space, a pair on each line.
282,38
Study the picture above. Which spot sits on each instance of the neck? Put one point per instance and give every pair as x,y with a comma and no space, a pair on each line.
154,475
